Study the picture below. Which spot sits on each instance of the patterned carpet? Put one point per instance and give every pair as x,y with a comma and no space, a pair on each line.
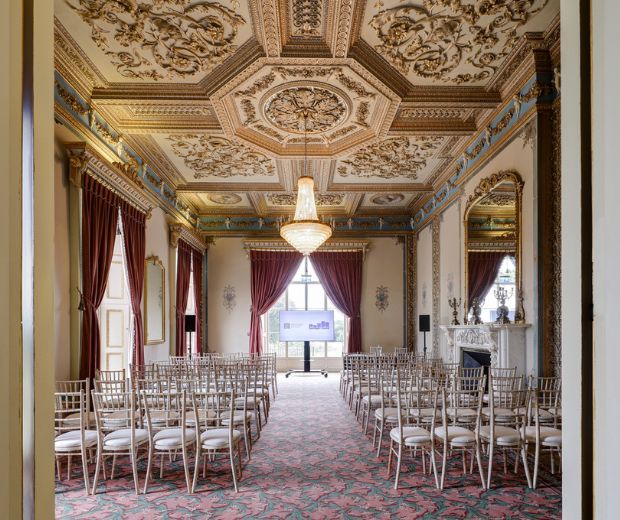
312,461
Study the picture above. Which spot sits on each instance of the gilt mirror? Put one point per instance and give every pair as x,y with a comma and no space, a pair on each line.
154,297
492,231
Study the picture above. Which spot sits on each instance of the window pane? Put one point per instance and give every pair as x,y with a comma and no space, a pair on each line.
296,297
316,297
339,326
330,305
300,271
312,272
295,349
281,349
317,349
334,349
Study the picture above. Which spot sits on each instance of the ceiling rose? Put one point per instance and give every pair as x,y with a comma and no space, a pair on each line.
224,198
324,109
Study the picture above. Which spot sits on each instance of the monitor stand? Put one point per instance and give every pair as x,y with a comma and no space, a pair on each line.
306,369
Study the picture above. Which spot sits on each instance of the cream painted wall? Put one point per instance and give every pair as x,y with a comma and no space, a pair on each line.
450,265
425,284
228,264
517,155
383,265
62,267
157,244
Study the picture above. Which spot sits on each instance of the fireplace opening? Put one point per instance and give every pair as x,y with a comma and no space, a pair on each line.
477,359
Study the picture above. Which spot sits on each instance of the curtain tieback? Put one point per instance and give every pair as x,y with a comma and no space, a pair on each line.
85,302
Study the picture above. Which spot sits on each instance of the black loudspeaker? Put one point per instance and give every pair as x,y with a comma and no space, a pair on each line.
190,323
425,323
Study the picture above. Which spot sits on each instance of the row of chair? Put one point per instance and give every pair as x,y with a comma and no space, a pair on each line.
174,408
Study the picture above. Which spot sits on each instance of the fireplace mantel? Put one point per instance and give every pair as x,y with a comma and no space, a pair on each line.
506,343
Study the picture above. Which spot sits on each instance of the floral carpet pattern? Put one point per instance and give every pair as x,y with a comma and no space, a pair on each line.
311,461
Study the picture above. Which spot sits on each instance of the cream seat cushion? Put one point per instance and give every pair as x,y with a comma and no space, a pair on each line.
387,414
171,438
71,440
548,436
456,435
74,419
217,438
502,434
413,435
121,439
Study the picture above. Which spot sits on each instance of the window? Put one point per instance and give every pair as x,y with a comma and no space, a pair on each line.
505,278
191,309
304,293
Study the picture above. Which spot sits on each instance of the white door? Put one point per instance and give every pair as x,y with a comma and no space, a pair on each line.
115,315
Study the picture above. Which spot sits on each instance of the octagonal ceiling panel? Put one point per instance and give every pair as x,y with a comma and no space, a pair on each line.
223,201
399,159
201,157
382,201
456,42
178,41
337,103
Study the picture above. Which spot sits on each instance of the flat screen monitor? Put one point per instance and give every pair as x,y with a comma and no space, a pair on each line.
307,326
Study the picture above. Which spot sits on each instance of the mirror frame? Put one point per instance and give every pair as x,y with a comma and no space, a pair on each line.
486,186
154,260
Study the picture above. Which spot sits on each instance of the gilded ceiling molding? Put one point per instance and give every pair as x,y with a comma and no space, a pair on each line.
180,231
110,147
443,45
165,40
215,156
343,30
122,179
307,17
483,145
289,199
391,158
268,12
282,245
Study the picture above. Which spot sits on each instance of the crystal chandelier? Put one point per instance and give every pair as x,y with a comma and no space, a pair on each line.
306,232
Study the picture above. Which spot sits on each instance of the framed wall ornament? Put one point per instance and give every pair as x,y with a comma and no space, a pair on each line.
229,298
382,298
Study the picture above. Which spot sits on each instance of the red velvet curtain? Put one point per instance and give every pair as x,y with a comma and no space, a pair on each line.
99,221
341,277
134,237
197,269
184,266
482,269
271,273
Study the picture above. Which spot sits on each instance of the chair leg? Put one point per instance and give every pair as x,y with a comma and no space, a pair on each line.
536,461
97,468
491,445
186,468
525,465
85,469
196,467
134,469
247,438
398,461
444,458
232,467
478,458
389,465
148,468
434,465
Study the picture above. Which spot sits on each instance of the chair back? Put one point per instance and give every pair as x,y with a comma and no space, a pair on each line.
70,404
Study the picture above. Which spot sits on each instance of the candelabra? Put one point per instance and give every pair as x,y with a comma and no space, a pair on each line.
501,295
454,305
476,310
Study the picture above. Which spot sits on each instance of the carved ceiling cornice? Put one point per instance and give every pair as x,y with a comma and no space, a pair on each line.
123,179
180,231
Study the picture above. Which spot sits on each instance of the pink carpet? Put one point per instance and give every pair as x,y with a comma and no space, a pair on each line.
312,461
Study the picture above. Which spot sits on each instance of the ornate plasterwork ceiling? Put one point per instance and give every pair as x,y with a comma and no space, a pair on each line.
457,42
345,104
156,40
211,94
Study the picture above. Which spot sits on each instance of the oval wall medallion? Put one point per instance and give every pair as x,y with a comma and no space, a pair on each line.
224,198
385,199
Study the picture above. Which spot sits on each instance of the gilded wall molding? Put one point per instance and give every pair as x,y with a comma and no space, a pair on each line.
436,262
411,291
180,231
557,240
330,245
122,179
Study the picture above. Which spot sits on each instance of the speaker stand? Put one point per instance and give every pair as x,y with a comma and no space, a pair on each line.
306,369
